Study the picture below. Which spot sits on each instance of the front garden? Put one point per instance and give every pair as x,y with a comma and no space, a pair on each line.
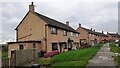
71,58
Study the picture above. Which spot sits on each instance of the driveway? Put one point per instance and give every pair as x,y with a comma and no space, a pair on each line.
103,59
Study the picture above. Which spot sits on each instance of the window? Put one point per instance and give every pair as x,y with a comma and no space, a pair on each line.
76,34
53,30
34,45
64,46
54,46
65,33
21,46
89,34
71,33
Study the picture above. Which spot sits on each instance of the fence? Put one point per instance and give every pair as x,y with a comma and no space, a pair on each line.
19,57
5,62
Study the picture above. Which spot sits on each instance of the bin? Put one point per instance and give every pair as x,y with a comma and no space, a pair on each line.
35,65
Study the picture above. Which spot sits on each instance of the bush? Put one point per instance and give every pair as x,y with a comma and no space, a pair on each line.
52,53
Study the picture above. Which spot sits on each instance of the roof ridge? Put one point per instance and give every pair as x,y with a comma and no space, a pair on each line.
55,23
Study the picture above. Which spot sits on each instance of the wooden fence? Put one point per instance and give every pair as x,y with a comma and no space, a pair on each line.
5,62
23,56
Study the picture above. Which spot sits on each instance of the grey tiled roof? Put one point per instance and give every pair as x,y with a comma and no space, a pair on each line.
114,34
93,32
54,23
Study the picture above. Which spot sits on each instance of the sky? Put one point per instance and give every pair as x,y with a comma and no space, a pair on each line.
101,15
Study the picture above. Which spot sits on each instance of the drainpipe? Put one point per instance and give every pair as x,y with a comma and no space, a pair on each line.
46,38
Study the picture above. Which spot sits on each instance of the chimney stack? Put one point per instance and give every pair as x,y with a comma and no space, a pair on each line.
79,25
67,23
107,32
31,7
94,30
91,29
102,32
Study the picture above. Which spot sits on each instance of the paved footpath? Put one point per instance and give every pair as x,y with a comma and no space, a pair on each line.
103,59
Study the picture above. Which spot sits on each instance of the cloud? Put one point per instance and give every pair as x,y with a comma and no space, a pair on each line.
99,15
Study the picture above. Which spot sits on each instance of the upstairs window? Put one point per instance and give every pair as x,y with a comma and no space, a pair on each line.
65,33
77,34
90,34
53,30
71,33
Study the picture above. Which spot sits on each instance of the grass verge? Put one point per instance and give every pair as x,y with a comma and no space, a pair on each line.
115,49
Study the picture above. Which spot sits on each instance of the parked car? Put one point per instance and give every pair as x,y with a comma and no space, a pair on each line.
52,53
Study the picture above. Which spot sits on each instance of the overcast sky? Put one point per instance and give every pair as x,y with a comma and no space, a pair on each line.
100,15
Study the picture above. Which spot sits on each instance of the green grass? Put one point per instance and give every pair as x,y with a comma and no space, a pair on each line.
4,54
117,59
75,58
114,48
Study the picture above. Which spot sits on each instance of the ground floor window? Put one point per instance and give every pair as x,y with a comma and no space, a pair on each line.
34,45
21,46
65,46
54,46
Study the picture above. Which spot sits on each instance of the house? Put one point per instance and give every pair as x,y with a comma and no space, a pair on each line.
37,31
90,36
102,37
112,37
87,35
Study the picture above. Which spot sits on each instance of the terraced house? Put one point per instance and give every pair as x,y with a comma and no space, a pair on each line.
90,36
44,34
87,35
112,37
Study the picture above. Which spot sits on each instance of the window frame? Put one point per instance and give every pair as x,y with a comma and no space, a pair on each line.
65,46
21,47
34,45
53,45
64,32
71,33
77,35
53,30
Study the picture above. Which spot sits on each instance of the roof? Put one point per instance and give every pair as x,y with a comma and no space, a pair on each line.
89,31
114,34
101,34
54,23
93,32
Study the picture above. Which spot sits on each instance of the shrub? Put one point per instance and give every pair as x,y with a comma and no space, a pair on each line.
52,53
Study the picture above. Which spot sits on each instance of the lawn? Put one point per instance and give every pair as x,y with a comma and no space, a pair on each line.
75,58
115,49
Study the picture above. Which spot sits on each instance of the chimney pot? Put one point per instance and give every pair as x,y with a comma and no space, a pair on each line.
67,23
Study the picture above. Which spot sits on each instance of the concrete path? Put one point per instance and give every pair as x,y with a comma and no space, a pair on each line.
103,59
